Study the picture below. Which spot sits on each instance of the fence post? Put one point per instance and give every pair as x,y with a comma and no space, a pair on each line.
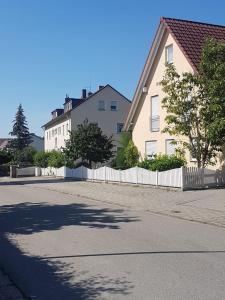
119,176
136,175
92,174
157,178
182,178
105,173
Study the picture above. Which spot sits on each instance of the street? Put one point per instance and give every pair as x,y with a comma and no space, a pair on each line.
62,246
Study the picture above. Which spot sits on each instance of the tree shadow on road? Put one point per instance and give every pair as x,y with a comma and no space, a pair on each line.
49,279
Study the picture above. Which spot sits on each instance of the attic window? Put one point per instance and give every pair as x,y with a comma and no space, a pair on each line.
113,106
169,54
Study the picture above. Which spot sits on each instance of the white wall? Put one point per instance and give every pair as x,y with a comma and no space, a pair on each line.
61,137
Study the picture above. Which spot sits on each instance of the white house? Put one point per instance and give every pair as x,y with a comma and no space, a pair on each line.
106,107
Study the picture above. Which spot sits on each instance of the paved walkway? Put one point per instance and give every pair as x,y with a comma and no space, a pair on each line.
205,206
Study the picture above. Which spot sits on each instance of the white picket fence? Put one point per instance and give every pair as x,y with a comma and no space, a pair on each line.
184,178
136,175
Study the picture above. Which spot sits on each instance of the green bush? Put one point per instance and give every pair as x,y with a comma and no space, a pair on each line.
24,157
162,162
41,159
131,154
5,157
4,169
56,159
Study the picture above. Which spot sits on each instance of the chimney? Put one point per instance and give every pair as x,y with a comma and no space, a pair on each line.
89,94
100,87
84,94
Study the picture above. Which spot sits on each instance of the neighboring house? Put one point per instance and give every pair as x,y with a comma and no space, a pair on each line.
106,107
4,143
179,42
37,142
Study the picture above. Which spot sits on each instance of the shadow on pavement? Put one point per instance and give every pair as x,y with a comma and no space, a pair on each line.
46,279
34,180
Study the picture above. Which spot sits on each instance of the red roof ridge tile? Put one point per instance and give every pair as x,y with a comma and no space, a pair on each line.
163,19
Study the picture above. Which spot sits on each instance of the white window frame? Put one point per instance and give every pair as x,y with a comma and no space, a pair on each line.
118,126
101,105
154,117
114,103
169,60
166,146
150,141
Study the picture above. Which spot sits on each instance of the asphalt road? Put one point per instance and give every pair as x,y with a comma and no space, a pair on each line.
58,246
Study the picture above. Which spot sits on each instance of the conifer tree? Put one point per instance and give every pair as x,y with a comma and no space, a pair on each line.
20,131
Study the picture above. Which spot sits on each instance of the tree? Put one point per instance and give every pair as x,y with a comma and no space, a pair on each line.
119,160
131,154
89,144
20,131
195,104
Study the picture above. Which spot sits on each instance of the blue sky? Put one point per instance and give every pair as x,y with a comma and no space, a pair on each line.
50,48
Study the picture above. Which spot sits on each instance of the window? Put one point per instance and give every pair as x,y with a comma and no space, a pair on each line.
113,106
56,143
63,129
169,54
47,135
119,127
154,119
101,105
150,148
53,132
170,147
56,131
59,130
67,128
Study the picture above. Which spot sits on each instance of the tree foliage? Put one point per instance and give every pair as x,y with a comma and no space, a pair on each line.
195,104
131,154
5,157
20,132
119,161
89,144
162,162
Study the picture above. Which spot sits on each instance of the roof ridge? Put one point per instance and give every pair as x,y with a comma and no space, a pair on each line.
163,19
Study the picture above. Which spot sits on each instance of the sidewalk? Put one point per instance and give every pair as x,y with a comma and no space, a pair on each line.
205,206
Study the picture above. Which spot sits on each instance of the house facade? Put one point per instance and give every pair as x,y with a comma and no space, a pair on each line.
178,42
106,107
37,142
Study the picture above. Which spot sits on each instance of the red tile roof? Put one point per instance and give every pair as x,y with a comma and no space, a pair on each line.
190,36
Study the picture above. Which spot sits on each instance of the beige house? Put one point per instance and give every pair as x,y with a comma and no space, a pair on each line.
106,107
179,42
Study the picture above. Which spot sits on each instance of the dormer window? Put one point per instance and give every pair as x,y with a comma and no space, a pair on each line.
169,54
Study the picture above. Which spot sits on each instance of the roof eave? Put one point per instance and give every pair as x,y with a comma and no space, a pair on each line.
144,75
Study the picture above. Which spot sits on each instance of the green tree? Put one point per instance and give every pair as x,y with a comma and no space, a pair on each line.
131,154
89,144
41,159
56,159
5,156
20,132
195,104
119,161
